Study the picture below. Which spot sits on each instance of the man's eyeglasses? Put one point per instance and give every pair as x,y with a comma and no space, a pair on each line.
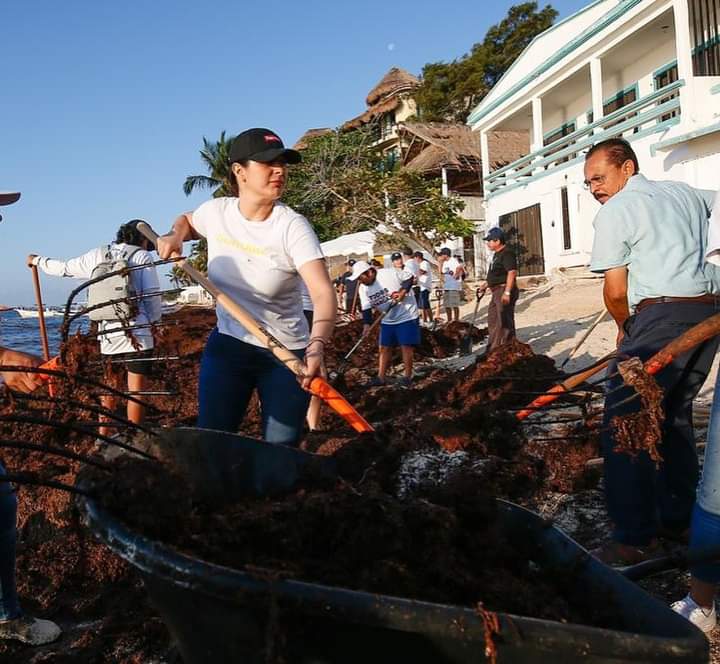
595,180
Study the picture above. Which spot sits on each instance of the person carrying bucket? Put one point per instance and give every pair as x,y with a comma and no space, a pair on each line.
14,624
259,250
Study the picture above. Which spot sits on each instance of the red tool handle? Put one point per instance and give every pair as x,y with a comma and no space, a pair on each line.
696,335
703,331
564,387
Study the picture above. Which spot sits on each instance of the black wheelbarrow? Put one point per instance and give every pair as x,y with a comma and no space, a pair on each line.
221,615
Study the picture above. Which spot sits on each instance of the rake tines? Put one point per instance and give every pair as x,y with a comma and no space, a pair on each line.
27,478
55,451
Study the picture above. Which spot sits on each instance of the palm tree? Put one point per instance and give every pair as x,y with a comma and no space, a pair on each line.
215,157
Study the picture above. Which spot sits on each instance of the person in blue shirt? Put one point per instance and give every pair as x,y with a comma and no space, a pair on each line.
650,242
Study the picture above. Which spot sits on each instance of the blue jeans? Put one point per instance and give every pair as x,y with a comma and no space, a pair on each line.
640,496
9,607
705,526
229,373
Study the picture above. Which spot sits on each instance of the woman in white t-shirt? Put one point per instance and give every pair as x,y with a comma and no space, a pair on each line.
259,251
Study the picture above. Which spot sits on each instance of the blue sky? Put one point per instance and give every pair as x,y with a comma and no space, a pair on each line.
104,104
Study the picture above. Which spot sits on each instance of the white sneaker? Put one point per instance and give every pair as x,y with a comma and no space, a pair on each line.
703,619
33,631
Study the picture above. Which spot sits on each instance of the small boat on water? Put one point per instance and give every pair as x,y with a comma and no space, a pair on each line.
34,313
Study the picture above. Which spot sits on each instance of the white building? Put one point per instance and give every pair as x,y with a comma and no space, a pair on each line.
646,70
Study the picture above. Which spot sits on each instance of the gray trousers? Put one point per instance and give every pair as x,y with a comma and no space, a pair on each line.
501,317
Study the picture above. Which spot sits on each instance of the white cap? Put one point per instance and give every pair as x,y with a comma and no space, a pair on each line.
358,269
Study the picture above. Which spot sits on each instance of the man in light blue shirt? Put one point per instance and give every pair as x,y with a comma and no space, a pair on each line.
650,243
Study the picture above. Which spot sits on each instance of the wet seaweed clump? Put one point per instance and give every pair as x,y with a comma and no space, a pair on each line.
411,512
642,431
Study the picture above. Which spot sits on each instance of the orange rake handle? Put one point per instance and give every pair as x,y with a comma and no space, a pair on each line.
53,364
704,330
322,389
563,388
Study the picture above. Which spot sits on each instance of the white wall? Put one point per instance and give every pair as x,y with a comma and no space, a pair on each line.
641,69
547,44
569,113
697,163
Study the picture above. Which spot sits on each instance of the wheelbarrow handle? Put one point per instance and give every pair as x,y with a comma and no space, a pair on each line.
289,359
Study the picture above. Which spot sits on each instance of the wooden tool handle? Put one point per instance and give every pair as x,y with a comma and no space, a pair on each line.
318,386
696,335
41,312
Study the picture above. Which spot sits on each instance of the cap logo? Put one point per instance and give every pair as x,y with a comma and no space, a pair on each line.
269,138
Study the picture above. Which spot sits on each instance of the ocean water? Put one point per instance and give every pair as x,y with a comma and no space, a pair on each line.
24,333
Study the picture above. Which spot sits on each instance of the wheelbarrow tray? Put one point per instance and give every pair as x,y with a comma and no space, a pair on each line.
222,615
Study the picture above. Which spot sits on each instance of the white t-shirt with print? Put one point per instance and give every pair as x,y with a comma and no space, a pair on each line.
256,263
425,280
448,269
378,293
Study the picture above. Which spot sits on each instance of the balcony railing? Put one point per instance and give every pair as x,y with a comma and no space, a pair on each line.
645,114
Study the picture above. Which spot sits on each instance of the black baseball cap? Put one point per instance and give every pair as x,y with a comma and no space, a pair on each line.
445,251
9,197
262,145
395,256
495,233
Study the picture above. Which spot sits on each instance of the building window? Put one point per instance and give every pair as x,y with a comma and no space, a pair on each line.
663,78
387,125
392,156
567,244
705,35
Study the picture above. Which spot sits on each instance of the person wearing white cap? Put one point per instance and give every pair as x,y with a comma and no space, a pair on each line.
384,290
14,624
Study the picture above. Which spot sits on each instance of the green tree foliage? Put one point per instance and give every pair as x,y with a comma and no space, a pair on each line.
215,157
450,90
345,185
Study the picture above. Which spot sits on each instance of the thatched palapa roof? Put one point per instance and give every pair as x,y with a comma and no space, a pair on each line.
505,146
373,112
395,81
435,145
385,96
305,139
